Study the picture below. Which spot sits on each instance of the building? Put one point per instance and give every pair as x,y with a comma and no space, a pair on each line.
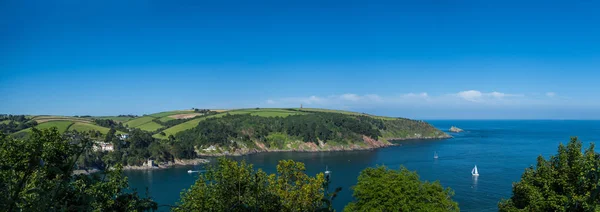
102,146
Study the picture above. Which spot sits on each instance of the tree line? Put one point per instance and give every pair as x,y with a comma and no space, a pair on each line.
308,128
14,123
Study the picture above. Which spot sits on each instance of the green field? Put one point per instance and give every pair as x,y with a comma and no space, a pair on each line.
62,126
183,126
4,122
150,126
42,119
66,125
139,121
170,113
84,127
115,118
165,119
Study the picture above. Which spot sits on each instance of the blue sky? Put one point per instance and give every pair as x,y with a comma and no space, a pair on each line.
416,59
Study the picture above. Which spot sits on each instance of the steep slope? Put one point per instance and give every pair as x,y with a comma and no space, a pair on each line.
307,131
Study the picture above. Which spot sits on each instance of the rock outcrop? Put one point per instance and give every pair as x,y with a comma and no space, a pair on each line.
455,129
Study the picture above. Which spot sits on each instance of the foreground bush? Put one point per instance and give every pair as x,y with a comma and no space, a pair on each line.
233,186
568,181
36,174
382,189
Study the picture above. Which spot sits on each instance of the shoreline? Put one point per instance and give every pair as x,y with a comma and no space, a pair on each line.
372,145
178,162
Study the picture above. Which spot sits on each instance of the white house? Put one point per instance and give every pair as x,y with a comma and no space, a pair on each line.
102,146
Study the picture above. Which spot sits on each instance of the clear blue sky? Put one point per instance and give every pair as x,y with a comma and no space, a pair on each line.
417,59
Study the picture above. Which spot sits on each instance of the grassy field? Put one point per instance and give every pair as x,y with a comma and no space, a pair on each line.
62,126
114,118
183,126
150,126
165,119
170,113
139,121
4,122
42,119
84,127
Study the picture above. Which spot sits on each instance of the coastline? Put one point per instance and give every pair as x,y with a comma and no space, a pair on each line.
369,144
178,162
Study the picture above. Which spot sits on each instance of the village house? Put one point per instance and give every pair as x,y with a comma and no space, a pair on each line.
103,146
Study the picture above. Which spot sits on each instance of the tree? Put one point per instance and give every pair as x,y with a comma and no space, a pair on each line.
236,186
37,175
382,189
568,181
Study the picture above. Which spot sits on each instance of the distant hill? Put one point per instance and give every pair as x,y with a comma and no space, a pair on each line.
291,129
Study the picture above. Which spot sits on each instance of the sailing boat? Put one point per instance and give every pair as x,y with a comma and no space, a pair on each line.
435,155
474,172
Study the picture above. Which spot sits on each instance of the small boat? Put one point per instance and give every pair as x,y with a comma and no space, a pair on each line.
327,172
474,172
191,171
435,155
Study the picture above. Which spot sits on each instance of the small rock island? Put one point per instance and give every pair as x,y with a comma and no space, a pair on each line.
455,129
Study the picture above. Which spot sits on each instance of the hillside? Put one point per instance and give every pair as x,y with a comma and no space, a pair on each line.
193,122
256,130
63,124
158,121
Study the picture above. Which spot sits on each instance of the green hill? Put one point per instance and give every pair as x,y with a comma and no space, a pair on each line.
267,112
263,112
139,121
250,130
115,118
63,124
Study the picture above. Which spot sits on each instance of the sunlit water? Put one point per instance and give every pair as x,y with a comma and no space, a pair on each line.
500,149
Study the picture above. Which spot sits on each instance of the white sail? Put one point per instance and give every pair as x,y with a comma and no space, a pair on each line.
474,172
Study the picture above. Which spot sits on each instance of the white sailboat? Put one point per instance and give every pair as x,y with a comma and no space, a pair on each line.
474,172
435,155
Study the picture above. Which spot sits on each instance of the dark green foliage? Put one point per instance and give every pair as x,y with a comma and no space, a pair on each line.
310,128
204,111
138,148
15,123
233,186
568,181
37,175
382,189
109,123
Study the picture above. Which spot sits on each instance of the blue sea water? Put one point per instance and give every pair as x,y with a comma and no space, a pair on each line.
501,149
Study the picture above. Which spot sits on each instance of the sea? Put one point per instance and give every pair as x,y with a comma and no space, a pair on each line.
501,149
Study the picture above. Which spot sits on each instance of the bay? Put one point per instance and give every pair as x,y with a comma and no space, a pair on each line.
501,149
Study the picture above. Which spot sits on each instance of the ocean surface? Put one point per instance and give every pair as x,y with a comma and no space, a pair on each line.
501,149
